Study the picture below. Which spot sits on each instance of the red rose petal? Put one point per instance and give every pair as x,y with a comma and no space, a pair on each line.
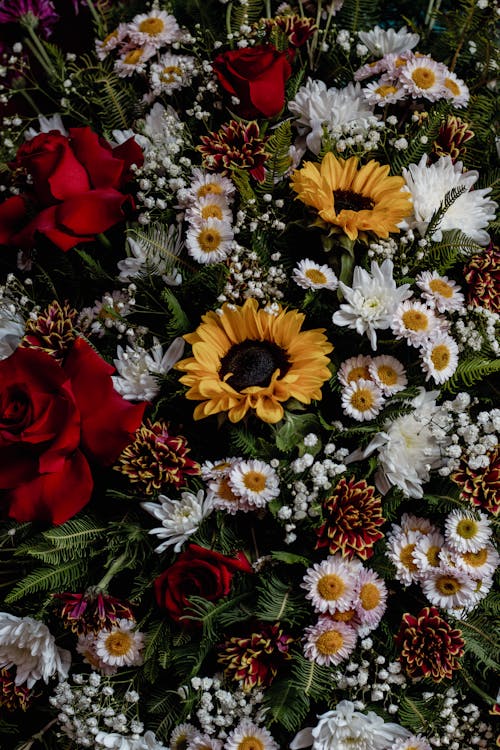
103,167
91,213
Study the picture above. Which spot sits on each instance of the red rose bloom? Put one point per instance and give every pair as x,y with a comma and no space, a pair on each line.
77,189
257,77
197,572
53,420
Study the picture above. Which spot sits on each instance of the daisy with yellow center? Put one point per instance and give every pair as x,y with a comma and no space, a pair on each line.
133,60
423,77
353,369
181,736
311,275
254,481
207,184
170,73
210,241
204,742
222,497
210,206
362,400
440,292
156,27
427,552
410,522
388,374
455,89
250,736
414,322
415,742
248,359
354,199
383,92
121,646
401,547
372,598
480,564
449,587
439,357
329,642
330,585
467,531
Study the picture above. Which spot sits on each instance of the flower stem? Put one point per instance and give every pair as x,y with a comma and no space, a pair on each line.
115,567
38,50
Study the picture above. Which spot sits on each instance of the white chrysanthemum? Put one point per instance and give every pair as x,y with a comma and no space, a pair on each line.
371,301
427,551
317,107
156,27
179,518
423,77
455,89
471,212
381,42
121,646
414,321
439,357
372,598
467,531
117,741
480,564
310,275
254,481
210,241
440,292
208,183
344,728
46,125
248,736
388,373
28,645
410,522
209,207
329,642
153,255
400,549
382,92
330,585
133,60
415,742
204,742
354,368
11,328
181,736
171,72
138,370
362,399
449,588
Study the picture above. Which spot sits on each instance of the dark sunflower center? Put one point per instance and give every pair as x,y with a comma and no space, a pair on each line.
253,363
346,200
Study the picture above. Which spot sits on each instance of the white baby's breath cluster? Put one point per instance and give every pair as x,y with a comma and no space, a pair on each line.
109,312
463,727
473,435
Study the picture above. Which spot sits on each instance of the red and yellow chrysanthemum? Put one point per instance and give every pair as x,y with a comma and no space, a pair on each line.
249,359
353,199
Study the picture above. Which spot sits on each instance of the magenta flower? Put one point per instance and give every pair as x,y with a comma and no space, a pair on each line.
41,13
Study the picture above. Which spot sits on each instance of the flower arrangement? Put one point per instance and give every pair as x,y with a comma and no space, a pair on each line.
249,350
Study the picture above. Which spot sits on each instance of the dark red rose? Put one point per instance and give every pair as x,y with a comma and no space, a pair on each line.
257,77
53,420
197,572
78,189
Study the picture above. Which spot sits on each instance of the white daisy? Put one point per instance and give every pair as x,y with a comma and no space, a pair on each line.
139,369
400,549
330,585
121,646
310,275
467,531
413,321
114,39
354,368
254,481
410,522
222,497
181,735
371,301
209,206
372,598
28,645
362,400
440,292
204,742
249,736
86,646
415,742
210,242
449,588
439,357
455,89
388,373
329,642
133,59
423,77
383,92
471,212
156,27
371,69
427,551
171,72
208,183
216,469
480,564
179,518
383,41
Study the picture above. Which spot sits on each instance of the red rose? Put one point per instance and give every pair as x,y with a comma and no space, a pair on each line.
53,420
77,189
257,77
197,572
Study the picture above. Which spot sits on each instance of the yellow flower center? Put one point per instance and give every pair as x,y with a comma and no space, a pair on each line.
423,77
316,276
330,642
211,211
255,481
448,585
387,375
467,528
331,587
476,559
362,399
357,373
344,616
133,56
440,357
400,62
385,90
152,26
170,74
452,86
432,556
119,644
250,743
441,287
181,742
369,596
225,492
406,558
211,188
209,240
415,320
109,37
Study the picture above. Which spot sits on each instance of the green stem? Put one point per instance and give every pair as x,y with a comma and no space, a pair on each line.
268,9
104,241
95,15
115,567
228,20
38,50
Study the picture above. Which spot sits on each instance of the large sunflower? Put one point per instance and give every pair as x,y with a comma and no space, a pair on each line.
355,200
245,358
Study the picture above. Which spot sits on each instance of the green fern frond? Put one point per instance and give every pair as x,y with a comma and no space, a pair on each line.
356,15
178,322
286,705
243,441
310,678
279,601
448,200
419,145
77,533
241,181
455,247
278,147
482,641
470,372
69,575
415,714
245,15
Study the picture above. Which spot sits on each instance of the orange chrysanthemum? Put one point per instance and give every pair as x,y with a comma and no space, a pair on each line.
246,358
354,199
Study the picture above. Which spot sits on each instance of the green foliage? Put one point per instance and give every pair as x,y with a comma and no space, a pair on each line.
357,15
278,146
453,248
471,371
70,574
418,145
178,322
482,641
279,601
244,15
416,714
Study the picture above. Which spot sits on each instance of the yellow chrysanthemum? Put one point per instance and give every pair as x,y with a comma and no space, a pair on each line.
248,359
356,200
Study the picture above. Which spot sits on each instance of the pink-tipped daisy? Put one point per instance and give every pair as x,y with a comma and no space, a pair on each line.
439,356
400,549
181,736
208,183
384,91
480,564
415,742
427,552
409,522
218,468
372,598
311,275
353,369
440,292
362,400
171,72
86,646
455,89
222,497
250,736
330,585
133,59
329,642
122,646
156,28
204,742
467,531
449,588
388,373
423,77
254,481
414,322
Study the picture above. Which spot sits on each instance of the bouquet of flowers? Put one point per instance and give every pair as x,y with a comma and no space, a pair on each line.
249,350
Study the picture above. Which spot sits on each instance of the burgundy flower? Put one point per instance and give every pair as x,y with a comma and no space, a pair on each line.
52,330
91,611
481,486
235,145
254,660
12,696
482,274
428,645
